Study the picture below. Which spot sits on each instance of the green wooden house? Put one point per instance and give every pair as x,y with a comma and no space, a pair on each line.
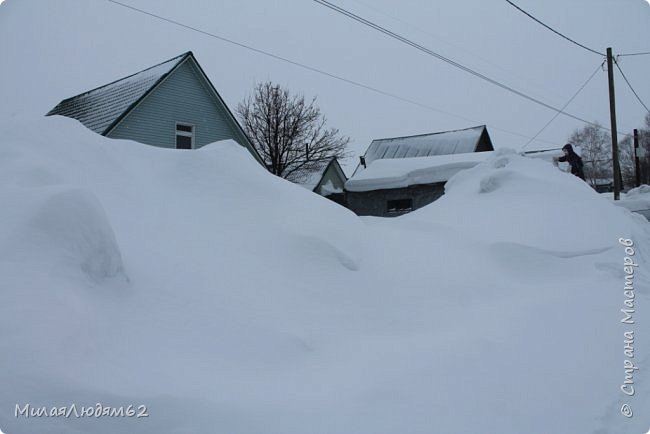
171,105
328,181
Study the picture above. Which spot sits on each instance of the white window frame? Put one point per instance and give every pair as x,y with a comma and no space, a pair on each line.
191,134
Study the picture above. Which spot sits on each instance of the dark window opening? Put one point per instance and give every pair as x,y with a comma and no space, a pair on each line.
184,136
399,205
183,142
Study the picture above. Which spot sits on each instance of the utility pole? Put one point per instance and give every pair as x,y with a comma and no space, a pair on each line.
612,115
637,166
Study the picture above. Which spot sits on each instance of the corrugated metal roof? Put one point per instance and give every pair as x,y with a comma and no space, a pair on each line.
98,109
425,145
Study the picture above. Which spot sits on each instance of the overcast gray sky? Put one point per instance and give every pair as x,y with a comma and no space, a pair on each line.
53,50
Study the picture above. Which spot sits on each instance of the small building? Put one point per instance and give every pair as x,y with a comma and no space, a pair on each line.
170,105
402,174
328,181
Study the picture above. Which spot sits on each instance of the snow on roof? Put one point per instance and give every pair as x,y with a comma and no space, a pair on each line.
311,180
329,188
402,172
99,108
425,145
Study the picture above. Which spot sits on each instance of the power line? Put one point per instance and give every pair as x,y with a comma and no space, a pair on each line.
630,86
284,59
313,69
428,32
565,106
586,48
553,30
635,54
447,60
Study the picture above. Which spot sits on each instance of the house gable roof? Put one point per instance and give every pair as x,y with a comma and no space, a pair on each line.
334,165
231,116
314,180
427,145
101,108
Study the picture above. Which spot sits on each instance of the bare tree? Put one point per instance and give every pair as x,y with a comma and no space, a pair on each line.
288,132
626,160
596,151
644,143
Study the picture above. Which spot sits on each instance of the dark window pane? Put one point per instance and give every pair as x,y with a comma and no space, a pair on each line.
186,128
183,142
399,205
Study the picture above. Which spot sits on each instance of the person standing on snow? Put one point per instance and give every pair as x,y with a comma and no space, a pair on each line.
573,159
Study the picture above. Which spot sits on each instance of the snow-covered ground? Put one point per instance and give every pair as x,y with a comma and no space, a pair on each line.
230,301
636,200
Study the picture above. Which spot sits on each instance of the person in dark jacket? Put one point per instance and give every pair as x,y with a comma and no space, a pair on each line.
574,161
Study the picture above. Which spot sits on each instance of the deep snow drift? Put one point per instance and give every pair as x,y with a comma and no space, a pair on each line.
230,301
637,200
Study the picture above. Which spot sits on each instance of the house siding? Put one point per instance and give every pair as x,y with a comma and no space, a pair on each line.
182,97
331,174
374,203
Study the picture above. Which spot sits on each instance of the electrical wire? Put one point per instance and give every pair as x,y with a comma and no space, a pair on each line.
553,30
449,61
631,88
352,82
438,38
316,70
646,53
565,105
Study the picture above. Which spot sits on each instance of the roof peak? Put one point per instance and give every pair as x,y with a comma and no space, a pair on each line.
431,134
